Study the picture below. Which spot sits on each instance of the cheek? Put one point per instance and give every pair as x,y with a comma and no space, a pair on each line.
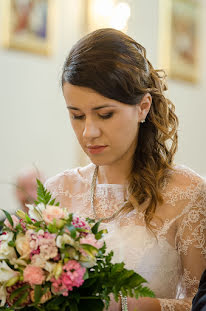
125,130
77,128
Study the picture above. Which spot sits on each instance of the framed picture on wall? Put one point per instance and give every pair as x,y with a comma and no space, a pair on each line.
180,38
27,25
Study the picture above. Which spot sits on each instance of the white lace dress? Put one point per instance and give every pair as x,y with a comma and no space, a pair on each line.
173,259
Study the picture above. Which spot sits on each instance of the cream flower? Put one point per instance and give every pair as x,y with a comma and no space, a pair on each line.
18,262
53,212
23,246
50,267
6,273
64,239
7,252
38,261
2,295
87,260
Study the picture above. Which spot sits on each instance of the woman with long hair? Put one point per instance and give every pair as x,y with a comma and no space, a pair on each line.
153,209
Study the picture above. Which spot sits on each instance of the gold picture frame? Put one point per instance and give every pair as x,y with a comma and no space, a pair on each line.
27,25
179,42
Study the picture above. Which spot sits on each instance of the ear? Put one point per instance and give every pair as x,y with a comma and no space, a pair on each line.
144,107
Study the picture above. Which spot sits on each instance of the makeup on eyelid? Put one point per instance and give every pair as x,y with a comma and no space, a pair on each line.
103,116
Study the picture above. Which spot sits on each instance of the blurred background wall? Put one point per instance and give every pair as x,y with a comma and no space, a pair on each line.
34,125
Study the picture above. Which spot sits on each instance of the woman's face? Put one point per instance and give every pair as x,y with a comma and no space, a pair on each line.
106,129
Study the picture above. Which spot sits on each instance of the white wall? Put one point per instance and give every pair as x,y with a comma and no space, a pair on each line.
34,126
189,99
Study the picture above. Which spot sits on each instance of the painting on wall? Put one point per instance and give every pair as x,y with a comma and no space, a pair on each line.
28,25
182,36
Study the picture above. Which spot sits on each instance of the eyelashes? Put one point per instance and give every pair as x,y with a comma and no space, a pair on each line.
102,116
106,116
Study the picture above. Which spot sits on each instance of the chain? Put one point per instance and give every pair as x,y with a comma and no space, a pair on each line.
124,305
93,188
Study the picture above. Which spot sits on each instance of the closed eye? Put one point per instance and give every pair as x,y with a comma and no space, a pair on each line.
107,115
102,116
77,117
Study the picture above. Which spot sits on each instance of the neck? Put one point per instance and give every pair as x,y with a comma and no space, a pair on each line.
117,173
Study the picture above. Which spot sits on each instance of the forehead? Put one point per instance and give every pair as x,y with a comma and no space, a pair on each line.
82,97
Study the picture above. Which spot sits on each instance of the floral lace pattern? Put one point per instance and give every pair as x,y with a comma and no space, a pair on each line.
173,259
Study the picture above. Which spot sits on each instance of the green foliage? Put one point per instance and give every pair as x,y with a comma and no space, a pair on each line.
107,278
52,228
1,224
18,291
22,299
100,281
28,219
8,216
99,235
95,227
72,229
38,292
11,243
43,195
19,228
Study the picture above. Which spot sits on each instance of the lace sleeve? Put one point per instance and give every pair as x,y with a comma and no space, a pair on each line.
55,185
191,246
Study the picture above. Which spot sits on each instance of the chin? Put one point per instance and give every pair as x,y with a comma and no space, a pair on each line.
98,162
101,161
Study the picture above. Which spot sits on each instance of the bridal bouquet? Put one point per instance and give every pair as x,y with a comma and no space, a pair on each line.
53,260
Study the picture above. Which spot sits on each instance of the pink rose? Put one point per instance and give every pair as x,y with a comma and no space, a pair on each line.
15,221
34,275
51,213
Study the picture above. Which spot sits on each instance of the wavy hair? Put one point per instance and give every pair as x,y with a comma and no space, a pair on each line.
115,66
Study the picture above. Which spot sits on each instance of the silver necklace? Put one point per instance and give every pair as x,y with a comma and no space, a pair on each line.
93,188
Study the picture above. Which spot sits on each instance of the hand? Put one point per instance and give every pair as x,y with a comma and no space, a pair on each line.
143,304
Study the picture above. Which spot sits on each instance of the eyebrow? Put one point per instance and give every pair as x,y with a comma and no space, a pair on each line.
96,108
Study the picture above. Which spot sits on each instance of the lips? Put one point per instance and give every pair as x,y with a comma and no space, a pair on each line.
96,149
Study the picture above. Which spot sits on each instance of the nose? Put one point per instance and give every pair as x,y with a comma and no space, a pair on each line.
91,129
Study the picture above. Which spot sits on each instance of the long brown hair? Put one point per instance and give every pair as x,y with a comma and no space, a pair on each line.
114,65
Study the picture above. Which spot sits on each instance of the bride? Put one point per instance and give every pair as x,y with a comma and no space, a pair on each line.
154,210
